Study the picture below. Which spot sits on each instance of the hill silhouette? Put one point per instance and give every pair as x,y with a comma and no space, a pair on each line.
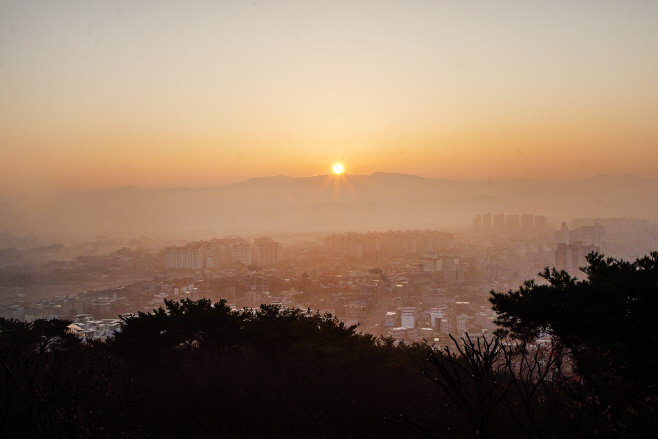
378,201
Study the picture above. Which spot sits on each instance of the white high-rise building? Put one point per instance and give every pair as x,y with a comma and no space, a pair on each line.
408,318
265,251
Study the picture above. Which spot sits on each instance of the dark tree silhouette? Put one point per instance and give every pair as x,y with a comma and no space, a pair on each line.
607,320
54,386
301,374
606,325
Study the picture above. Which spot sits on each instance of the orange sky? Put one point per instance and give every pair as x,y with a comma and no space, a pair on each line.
161,93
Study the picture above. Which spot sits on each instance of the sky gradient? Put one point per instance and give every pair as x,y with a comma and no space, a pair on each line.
171,93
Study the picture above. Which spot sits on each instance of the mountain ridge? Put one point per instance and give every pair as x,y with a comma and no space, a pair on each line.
328,202
378,174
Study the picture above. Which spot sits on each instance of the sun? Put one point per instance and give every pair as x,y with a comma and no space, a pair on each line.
338,168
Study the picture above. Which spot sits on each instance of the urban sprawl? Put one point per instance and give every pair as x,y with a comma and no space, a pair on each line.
412,285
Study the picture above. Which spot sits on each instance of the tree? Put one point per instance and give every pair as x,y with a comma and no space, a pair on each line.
186,325
606,321
606,324
55,386
205,370
472,378
493,388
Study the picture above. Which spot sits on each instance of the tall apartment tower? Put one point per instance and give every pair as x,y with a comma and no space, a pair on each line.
266,251
562,235
541,223
571,257
512,223
477,222
241,252
592,235
527,222
486,221
499,222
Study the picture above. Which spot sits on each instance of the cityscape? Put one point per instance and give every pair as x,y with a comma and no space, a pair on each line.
328,219
413,285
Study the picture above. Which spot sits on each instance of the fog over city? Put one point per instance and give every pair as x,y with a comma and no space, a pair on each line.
302,219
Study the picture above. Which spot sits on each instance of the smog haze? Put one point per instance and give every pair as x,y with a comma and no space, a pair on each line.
176,95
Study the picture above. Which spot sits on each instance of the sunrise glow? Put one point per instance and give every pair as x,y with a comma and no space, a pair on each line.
338,168
91,98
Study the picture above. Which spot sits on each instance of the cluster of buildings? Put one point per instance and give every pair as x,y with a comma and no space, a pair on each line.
447,266
86,328
433,316
389,244
411,285
96,314
593,235
218,253
501,223
404,303
623,229
574,245
108,303
625,238
416,275
13,311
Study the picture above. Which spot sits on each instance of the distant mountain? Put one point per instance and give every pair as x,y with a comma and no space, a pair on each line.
379,201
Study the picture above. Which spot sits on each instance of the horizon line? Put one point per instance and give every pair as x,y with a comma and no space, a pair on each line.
489,180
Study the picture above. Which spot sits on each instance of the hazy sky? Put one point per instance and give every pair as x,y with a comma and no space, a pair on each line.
199,93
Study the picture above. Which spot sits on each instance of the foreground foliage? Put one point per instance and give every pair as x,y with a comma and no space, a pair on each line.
197,369
298,374
604,325
607,320
55,386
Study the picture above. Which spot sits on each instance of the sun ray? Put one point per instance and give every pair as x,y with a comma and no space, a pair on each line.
339,182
